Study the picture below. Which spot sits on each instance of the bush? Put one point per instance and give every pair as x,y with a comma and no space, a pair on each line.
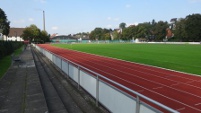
8,47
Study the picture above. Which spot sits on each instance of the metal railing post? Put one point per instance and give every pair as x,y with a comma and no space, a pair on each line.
137,104
61,63
78,77
97,90
68,76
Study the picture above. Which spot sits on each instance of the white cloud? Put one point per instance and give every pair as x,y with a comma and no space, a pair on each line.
109,26
129,24
109,18
55,28
116,19
113,19
128,6
20,21
31,19
41,1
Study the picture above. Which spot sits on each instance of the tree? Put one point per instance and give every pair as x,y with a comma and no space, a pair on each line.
193,27
179,33
159,30
44,37
122,25
30,33
33,33
4,23
100,34
129,33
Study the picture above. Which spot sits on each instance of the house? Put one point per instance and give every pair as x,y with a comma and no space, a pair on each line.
14,34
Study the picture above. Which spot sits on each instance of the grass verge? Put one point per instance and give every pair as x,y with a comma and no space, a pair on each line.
6,62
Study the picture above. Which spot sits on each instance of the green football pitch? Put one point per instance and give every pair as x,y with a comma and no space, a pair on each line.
179,57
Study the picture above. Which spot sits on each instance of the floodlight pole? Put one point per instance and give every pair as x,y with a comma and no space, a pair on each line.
43,20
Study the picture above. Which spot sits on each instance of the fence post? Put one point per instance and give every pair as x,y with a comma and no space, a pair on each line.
68,76
61,63
137,104
97,90
78,77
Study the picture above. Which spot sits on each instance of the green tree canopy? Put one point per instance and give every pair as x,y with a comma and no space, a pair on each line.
193,27
159,30
33,33
179,33
4,23
122,25
100,34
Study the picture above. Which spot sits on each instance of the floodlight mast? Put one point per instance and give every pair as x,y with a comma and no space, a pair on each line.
43,20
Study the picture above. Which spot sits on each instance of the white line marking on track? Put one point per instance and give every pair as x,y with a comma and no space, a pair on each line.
190,82
197,104
175,84
157,87
181,109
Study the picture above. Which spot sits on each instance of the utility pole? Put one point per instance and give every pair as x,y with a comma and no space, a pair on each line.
44,20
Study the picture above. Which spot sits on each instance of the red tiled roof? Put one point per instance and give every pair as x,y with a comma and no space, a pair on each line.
16,32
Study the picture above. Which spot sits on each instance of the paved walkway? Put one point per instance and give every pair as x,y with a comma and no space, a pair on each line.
20,88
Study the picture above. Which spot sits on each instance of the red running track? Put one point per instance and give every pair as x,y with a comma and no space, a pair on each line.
179,91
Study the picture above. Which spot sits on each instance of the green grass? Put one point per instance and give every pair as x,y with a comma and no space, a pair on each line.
6,62
185,58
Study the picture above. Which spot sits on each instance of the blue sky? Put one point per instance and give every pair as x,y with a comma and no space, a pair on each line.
73,16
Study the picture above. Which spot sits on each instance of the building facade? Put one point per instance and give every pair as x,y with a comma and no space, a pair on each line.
15,34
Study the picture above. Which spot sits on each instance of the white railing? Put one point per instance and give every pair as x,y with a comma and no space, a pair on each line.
109,96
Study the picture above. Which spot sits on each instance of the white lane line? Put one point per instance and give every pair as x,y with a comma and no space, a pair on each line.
175,84
181,109
157,88
197,104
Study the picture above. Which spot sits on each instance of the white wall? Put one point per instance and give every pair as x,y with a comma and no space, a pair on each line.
13,38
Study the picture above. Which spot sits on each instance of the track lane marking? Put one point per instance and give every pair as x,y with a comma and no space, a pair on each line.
180,109
197,104
157,87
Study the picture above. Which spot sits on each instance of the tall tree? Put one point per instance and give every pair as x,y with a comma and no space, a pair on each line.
31,33
179,33
193,27
4,23
159,30
122,25
44,37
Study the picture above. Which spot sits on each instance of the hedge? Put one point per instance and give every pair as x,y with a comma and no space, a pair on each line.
8,47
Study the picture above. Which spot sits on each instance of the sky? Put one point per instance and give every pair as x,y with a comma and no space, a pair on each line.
73,16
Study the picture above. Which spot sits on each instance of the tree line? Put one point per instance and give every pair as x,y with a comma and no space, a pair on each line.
182,29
